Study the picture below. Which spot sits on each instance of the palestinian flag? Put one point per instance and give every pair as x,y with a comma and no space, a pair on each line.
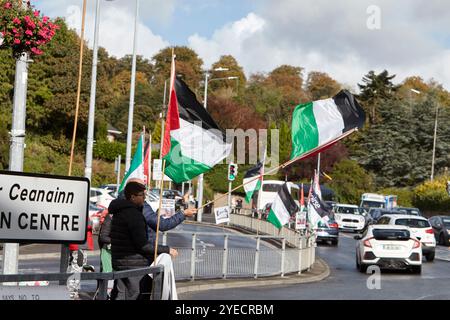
319,124
136,169
318,211
283,206
193,142
251,183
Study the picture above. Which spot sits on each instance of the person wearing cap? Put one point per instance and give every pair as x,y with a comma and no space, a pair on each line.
130,247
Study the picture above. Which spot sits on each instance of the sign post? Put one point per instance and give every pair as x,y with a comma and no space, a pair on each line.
41,208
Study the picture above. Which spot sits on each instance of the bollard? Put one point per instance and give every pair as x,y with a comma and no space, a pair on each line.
194,237
255,272
225,257
283,256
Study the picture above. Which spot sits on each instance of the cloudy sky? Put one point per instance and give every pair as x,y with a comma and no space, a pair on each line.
345,38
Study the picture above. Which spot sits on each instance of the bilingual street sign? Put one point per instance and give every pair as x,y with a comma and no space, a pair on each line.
42,208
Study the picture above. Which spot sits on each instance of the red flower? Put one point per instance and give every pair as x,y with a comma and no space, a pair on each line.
37,51
7,5
27,43
36,13
29,32
16,41
17,21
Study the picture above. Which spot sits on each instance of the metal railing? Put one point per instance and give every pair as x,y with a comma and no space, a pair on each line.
233,255
101,277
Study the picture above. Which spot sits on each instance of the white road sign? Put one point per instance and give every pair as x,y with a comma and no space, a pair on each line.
43,208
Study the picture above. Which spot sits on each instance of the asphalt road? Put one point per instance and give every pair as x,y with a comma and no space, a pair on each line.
346,283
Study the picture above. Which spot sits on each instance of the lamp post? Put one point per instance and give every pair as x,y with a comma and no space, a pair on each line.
133,79
91,121
205,104
434,135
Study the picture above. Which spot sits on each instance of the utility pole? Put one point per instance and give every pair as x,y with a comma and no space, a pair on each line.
133,80
91,121
16,150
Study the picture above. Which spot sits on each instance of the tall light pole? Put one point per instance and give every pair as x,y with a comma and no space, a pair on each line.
16,149
434,142
133,79
91,121
434,135
205,104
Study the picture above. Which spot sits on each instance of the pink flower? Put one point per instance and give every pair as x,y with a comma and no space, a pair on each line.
29,32
36,13
17,21
37,51
14,30
27,43
16,41
45,19
7,5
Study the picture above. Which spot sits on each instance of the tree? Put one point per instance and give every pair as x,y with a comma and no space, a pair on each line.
377,88
320,85
350,180
234,70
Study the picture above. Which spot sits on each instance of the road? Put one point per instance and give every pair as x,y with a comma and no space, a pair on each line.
346,283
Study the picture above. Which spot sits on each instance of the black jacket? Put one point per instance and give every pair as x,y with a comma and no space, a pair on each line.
104,237
130,248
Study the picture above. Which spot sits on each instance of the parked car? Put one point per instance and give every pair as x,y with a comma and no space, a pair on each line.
168,193
411,211
328,232
376,213
94,216
419,227
389,247
441,229
348,217
101,197
111,187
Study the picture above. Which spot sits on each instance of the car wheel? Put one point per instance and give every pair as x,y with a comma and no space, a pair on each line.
334,242
442,239
416,269
356,260
430,256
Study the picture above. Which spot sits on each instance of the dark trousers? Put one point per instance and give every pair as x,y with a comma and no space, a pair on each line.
133,288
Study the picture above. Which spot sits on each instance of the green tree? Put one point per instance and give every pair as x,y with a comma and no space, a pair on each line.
320,85
375,90
350,180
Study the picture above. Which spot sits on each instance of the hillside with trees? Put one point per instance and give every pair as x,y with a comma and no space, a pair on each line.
393,150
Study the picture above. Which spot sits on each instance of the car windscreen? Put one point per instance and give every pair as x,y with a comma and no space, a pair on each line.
413,223
446,222
372,204
348,210
391,234
271,187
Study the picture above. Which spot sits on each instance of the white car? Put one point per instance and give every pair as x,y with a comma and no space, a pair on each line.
388,246
101,197
349,217
420,228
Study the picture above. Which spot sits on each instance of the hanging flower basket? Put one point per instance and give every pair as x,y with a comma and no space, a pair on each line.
24,30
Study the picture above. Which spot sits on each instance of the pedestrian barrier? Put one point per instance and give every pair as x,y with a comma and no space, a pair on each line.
269,252
101,277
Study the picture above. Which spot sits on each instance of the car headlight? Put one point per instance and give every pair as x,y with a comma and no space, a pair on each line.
448,231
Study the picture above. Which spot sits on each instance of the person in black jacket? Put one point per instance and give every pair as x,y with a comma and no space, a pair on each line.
130,247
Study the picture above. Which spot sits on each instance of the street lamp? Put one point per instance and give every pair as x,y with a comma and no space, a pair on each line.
205,103
434,136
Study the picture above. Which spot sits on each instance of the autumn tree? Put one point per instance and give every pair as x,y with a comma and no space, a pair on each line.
234,70
320,85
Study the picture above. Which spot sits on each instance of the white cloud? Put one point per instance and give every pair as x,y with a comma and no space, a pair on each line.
332,36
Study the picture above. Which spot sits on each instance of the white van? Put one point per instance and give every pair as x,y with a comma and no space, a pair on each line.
373,200
270,189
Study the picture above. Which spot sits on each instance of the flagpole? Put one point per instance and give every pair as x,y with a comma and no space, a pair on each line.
149,180
159,212
287,163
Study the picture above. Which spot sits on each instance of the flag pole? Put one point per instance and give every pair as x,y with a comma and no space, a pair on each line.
80,69
149,180
288,163
159,211
172,80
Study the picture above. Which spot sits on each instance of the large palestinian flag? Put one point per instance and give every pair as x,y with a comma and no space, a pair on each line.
251,182
193,142
283,206
318,124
